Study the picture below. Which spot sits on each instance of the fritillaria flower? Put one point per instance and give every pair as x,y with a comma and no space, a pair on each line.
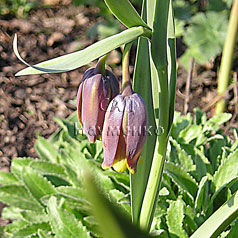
97,89
124,131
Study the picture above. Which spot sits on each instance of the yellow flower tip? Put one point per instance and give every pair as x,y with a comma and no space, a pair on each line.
105,167
120,166
132,171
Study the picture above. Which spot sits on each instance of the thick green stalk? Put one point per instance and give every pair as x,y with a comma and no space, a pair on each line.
159,49
126,83
226,61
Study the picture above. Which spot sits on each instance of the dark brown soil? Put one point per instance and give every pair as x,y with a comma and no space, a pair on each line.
29,104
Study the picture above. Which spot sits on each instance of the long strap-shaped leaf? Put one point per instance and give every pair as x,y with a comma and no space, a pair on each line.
79,58
142,85
219,220
125,13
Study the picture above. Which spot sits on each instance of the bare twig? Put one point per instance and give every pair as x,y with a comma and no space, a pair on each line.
187,89
217,98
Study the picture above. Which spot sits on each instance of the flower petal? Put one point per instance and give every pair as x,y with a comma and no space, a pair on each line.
79,102
92,89
112,130
136,128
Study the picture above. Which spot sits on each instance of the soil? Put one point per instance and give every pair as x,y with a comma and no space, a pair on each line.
28,104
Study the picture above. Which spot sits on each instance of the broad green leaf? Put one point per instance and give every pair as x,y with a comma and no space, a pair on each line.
181,179
68,126
142,85
112,222
226,171
44,234
48,168
219,220
183,159
216,121
11,212
175,218
200,116
201,202
190,133
7,178
31,229
117,197
64,224
92,225
77,194
18,196
18,164
37,184
80,205
46,150
121,179
15,226
219,197
233,231
205,36
125,13
34,217
77,59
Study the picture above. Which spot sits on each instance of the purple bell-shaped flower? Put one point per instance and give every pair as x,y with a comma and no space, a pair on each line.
97,89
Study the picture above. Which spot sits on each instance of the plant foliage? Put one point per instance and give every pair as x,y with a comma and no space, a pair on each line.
47,196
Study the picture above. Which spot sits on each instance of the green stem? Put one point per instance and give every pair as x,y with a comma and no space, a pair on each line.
226,61
100,67
126,82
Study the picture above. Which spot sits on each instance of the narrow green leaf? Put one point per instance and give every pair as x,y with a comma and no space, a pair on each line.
36,184
111,221
77,59
64,224
18,196
181,178
226,171
202,198
142,85
7,178
125,13
172,65
31,229
219,220
46,150
175,218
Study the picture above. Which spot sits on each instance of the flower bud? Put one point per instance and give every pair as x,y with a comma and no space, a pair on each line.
124,132
94,94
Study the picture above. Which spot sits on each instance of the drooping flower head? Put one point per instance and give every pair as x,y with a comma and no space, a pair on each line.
124,132
97,88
